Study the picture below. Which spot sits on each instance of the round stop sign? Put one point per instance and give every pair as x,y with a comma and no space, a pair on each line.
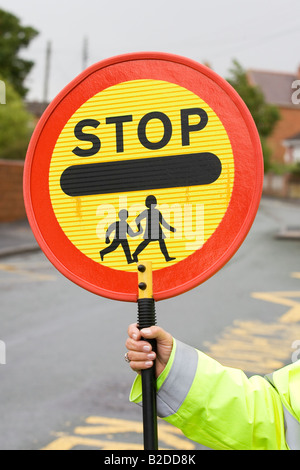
143,157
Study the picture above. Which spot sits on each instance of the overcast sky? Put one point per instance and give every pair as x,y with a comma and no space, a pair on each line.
263,34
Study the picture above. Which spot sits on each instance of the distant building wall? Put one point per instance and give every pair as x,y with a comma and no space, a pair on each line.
286,186
288,125
11,191
281,89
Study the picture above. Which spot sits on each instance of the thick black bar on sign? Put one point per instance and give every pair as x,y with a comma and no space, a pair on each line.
140,174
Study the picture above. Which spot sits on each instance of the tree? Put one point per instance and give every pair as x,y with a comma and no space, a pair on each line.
16,125
13,38
264,115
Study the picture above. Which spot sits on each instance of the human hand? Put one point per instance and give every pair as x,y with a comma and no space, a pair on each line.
140,351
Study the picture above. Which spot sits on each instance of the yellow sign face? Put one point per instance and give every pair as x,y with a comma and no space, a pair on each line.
136,131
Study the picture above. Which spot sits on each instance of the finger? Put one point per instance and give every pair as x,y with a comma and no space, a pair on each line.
138,366
140,353
142,346
134,332
141,357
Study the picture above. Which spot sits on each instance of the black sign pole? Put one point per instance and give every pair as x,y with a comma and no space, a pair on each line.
147,318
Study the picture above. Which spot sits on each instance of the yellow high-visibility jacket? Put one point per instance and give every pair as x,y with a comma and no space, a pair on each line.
221,408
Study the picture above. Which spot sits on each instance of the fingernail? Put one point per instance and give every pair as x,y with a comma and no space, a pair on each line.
146,331
151,355
134,336
146,348
148,363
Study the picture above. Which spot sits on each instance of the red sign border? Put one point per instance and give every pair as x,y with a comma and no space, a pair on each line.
230,234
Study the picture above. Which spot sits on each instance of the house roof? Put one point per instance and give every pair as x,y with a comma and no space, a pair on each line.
276,86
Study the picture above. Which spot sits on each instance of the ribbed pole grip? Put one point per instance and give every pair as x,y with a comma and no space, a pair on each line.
146,313
147,318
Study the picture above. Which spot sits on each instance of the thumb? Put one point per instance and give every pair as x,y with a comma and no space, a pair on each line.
156,332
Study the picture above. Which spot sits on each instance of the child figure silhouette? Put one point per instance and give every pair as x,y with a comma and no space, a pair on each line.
121,229
153,231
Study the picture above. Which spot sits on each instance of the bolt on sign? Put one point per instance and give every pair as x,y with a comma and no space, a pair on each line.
143,157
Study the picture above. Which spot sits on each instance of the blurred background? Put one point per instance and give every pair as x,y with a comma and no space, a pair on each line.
63,380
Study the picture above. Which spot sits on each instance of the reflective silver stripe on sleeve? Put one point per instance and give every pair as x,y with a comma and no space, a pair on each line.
292,430
291,424
179,380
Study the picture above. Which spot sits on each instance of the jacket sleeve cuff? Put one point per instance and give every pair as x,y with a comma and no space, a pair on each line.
174,382
136,390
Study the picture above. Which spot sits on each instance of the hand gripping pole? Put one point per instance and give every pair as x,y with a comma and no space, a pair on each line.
147,318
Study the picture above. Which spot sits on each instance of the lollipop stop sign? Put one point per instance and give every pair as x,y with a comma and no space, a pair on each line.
145,159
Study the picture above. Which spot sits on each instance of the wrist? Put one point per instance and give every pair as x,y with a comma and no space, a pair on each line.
161,376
